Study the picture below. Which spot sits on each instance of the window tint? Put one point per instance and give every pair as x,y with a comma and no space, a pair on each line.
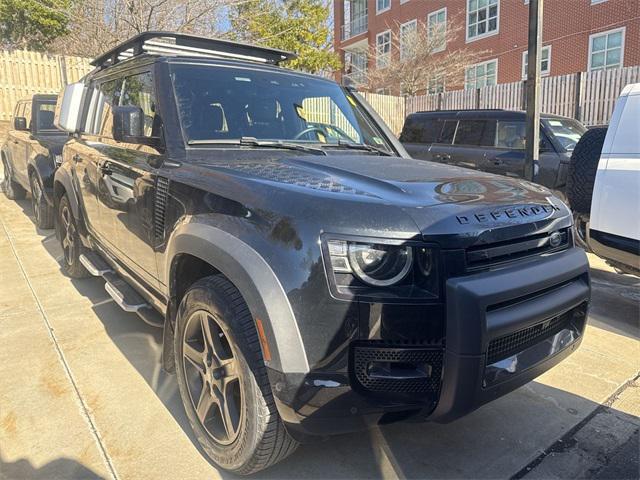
448,131
511,135
422,130
138,92
476,132
45,114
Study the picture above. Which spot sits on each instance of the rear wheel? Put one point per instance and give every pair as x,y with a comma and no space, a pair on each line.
70,240
42,211
12,189
223,380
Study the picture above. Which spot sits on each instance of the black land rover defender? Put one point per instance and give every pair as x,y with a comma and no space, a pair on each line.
307,283
31,154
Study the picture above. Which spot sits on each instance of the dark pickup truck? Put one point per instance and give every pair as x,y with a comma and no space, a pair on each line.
31,155
309,276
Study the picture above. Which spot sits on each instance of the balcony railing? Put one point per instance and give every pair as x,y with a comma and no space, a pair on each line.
356,26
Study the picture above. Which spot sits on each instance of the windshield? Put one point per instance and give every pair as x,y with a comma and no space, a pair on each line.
223,105
567,132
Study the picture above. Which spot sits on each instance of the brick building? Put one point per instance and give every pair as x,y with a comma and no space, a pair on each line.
578,35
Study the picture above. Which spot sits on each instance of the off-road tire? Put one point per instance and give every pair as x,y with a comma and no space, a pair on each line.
70,261
12,189
42,211
582,169
262,439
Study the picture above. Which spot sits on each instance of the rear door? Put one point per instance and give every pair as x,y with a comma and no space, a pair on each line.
472,140
507,155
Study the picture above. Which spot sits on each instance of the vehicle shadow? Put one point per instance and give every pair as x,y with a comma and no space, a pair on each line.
59,468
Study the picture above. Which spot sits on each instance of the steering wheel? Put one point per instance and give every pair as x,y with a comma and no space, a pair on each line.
308,130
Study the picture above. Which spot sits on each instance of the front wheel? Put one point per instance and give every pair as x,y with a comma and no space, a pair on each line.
42,211
223,380
70,240
12,189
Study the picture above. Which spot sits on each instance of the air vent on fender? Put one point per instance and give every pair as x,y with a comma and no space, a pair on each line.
162,193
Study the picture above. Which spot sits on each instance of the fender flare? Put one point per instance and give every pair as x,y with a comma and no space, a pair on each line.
63,181
42,164
252,275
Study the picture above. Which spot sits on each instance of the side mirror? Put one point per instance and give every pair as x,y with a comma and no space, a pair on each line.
128,124
69,108
20,123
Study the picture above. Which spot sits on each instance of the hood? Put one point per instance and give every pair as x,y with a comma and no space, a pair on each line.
441,199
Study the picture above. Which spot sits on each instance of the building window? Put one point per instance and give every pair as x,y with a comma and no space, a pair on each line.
606,50
383,49
382,6
436,85
481,74
545,61
407,38
595,2
437,29
356,66
482,18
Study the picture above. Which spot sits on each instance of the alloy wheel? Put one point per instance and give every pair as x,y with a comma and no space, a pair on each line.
213,379
68,231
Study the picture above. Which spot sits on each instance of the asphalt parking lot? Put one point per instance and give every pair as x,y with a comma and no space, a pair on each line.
82,394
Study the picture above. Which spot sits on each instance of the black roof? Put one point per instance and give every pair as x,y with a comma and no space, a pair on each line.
497,113
172,43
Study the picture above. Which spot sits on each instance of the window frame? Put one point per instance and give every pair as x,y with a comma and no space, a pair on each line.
543,73
488,33
388,54
428,25
386,9
592,37
413,22
475,65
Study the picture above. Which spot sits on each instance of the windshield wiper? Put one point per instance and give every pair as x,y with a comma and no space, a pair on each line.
254,142
364,146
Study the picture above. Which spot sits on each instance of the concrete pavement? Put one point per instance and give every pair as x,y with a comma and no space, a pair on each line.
82,393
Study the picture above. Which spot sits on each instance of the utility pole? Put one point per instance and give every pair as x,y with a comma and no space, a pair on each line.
533,88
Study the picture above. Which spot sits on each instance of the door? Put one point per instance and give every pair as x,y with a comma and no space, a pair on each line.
419,133
126,180
18,141
440,150
472,139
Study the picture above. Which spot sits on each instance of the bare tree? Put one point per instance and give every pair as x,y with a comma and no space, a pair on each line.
97,25
416,60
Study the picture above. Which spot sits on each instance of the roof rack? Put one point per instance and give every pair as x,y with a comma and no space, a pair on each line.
172,43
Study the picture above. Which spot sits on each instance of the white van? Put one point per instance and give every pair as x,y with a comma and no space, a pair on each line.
604,185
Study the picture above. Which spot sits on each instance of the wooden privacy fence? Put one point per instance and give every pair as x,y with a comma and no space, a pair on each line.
24,73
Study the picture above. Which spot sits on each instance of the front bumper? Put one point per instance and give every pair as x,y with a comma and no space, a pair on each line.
503,328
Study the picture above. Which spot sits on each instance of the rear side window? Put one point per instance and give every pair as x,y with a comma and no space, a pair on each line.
511,135
448,132
138,92
476,133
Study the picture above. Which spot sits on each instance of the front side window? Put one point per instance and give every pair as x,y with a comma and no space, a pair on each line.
437,30
138,92
218,105
45,114
511,134
482,18
383,49
99,118
606,50
26,113
481,75
545,61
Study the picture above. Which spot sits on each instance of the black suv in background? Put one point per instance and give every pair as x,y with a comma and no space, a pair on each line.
31,154
492,141
310,277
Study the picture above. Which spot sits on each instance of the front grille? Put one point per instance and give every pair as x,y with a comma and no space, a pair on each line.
504,347
401,361
485,256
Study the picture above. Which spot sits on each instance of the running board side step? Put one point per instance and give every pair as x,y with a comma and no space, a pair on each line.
122,293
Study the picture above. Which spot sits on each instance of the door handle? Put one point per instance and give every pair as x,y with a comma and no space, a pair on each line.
443,156
496,161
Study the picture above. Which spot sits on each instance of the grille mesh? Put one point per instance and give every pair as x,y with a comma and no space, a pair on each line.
365,355
162,192
505,346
